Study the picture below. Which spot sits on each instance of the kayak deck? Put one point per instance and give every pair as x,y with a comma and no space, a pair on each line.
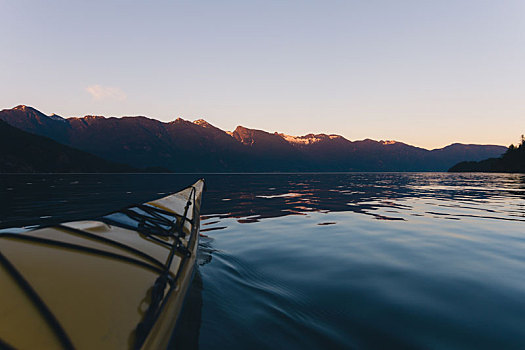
116,282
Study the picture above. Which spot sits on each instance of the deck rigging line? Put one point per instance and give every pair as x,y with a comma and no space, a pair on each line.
38,302
158,223
73,246
111,242
157,291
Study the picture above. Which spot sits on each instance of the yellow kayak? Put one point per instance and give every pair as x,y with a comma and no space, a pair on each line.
117,282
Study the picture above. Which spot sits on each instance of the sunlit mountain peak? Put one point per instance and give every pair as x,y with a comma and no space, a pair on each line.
201,122
305,140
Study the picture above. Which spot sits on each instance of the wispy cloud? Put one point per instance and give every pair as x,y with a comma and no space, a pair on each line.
99,92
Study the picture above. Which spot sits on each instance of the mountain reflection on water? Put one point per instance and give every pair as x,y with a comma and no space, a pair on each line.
355,260
250,199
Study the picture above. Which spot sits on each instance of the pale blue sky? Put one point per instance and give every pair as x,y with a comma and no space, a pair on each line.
428,73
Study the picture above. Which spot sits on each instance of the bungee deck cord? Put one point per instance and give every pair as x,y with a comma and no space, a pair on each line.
159,287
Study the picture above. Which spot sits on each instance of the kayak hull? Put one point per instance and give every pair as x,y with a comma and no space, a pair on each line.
99,282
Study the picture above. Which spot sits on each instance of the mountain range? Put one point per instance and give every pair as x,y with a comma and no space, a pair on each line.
186,146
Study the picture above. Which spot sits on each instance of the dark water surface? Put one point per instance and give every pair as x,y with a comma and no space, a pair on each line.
296,261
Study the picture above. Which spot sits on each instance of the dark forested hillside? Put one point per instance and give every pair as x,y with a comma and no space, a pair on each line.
21,151
512,161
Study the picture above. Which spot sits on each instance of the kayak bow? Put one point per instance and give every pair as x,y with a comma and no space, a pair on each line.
116,282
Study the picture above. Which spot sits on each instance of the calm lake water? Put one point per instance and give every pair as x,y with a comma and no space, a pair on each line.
309,261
